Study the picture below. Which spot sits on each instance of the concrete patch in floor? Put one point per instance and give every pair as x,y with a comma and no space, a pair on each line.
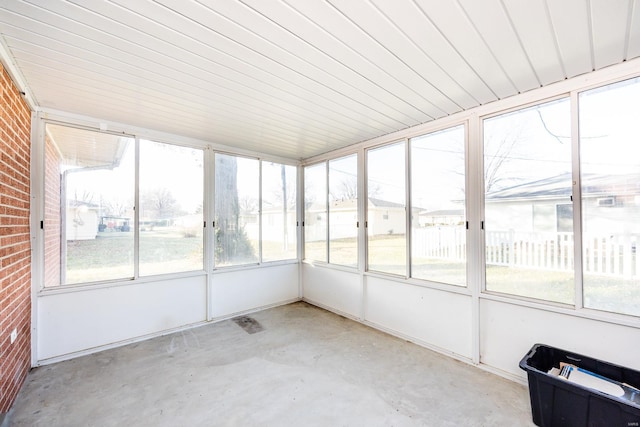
249,324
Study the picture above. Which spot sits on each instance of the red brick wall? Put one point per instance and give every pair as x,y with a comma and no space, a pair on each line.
52,227
15,246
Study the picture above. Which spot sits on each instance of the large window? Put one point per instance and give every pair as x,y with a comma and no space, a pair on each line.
118,208
343,211
315,212
438,232
111,214
237,230
89,206
171,221
279,238
610,175
386,209
528,192
331,211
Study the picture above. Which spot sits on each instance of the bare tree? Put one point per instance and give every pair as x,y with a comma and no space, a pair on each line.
248,205
158,203
494,164
116,207
85,197
347,189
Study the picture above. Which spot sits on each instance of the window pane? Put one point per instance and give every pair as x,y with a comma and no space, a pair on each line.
343,211
610,168
528,223
236,210
279,239
438,240
315,212
386,210
89,199
170,208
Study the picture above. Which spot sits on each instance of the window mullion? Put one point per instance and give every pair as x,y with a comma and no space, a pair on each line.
136,211
577,201
407,206
260,211
328,214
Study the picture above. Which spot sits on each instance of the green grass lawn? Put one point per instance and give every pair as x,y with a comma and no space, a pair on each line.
110,256
554,286
343,251
607,293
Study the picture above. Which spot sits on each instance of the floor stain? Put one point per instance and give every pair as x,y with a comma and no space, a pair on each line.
249,324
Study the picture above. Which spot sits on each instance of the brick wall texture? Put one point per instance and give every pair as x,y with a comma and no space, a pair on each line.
52,228
15,245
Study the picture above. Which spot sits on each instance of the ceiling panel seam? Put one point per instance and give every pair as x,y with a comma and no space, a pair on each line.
399,70
592,50
556,43
627,35
344,111
335,59
444,113
77,35
360,55
218,128
300,78
290,69
92,70
249,64
519,39
421,49
484,42
411,42
172,115
309,63
634,36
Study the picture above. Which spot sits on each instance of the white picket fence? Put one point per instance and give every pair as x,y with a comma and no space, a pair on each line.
611,255
549,251
445,242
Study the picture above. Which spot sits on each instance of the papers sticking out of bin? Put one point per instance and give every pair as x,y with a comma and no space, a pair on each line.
569,389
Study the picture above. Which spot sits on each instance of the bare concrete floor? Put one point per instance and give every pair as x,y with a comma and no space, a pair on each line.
306,367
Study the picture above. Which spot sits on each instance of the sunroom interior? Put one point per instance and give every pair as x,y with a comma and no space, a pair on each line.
462,175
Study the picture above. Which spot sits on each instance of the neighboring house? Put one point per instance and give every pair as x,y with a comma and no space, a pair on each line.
273,223
315,218
545,205
531,224
81,220
383,217
541,206
343,218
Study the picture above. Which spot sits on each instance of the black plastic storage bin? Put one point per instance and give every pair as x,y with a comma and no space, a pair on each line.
558,402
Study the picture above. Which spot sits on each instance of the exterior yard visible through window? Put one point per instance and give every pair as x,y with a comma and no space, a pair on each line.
90,260
609,292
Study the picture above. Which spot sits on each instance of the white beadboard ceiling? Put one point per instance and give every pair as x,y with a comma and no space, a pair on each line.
296,78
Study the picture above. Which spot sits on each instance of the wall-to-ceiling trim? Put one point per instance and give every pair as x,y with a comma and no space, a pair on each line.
16,76
144,133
